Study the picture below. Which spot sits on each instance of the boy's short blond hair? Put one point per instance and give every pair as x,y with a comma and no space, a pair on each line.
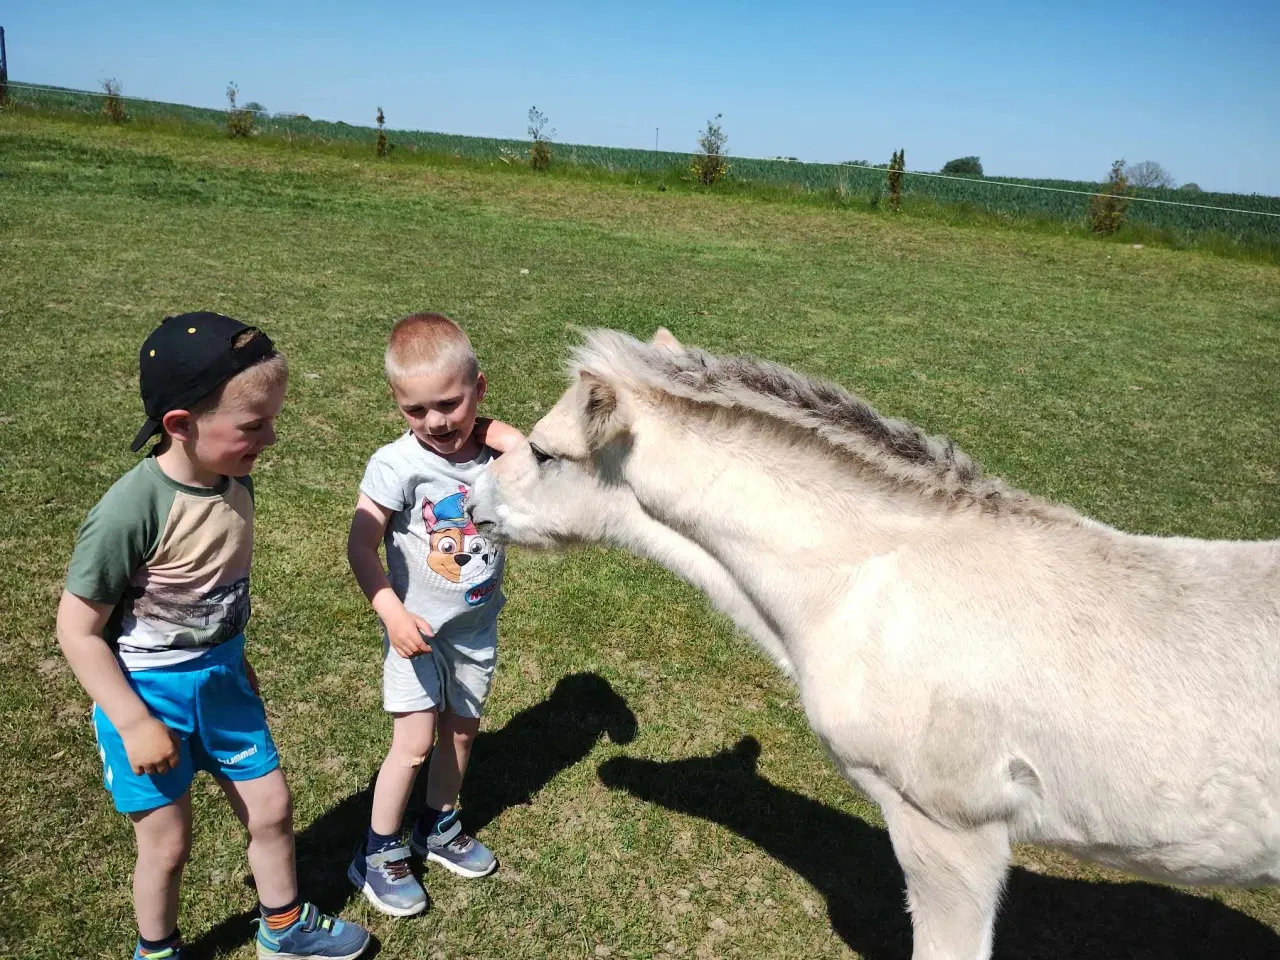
425,343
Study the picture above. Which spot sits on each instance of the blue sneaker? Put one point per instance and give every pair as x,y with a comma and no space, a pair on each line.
164,953
454,849
387,882
314,936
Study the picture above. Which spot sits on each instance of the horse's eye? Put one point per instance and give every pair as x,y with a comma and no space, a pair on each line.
539,454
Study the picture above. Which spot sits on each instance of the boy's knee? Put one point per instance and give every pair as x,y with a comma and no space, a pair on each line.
464,738
410,757
272,813
165,854
460,729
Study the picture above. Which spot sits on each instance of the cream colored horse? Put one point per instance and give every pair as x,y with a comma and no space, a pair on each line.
988,667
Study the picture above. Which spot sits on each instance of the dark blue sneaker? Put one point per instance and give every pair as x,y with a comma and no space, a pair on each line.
314,936
164,953
453,848
387,881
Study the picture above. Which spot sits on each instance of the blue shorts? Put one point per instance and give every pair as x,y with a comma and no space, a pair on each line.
218,718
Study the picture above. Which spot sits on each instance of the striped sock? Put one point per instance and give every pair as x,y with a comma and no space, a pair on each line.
165,945
281,918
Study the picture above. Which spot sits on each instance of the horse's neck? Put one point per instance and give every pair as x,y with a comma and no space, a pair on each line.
691,563
757,511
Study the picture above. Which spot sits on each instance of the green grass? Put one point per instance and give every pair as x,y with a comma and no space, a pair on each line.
617,774
1002,199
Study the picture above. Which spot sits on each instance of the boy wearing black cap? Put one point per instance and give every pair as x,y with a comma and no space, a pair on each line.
152,621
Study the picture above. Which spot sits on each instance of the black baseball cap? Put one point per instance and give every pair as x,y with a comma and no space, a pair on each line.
188,357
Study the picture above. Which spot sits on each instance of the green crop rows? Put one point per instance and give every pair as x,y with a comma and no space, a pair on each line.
996,195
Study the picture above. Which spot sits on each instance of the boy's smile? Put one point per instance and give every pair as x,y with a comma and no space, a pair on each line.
440,409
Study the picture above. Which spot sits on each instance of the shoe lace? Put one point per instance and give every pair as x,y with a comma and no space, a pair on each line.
395,869
461,843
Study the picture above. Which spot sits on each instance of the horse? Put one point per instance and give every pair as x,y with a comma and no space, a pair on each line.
988,667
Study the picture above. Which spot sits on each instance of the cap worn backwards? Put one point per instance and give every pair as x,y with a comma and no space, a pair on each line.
187,358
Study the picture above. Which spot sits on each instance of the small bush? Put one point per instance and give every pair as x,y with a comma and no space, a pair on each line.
240,122
383,148
1190,188
1108,209
710,166
112,105
896,166
540,149
964,167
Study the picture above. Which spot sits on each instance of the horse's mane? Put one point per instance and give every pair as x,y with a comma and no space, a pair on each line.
895,451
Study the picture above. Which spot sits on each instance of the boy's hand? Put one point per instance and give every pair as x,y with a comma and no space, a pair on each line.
497,435
408,635
152,747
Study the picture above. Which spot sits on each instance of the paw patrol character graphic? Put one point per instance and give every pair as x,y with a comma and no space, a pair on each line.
458,552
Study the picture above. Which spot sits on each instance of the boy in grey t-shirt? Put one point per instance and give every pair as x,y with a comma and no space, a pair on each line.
438,598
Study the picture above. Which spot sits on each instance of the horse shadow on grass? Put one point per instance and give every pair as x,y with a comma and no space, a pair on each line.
852,865
508,767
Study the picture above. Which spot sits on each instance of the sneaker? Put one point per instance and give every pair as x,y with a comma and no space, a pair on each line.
454,849
314,936
388,883
164,953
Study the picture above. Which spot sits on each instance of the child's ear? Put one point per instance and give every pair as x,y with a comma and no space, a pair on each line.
179,424
482,386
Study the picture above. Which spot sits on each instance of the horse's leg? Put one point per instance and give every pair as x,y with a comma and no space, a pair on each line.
954,880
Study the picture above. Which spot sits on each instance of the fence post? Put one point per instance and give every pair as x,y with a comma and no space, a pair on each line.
4,72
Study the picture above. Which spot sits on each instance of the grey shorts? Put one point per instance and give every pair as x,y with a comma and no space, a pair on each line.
455,675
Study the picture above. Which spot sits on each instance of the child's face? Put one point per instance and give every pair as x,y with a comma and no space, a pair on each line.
228,439
440,408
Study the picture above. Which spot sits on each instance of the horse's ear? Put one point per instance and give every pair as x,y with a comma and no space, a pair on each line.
662,337
602,409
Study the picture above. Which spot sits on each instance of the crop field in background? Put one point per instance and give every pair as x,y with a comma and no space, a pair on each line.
843,185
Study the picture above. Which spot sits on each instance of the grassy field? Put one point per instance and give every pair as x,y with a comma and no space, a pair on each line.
1003,198
648,780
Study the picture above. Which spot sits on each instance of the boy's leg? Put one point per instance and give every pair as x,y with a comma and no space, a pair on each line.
467,669
265,808
158,805
449,762
163,836
411,740
381,869
289,927
438,835
235,745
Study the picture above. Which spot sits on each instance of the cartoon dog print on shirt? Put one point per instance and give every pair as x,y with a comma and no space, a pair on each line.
458,552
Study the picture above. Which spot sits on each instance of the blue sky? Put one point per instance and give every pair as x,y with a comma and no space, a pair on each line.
1034,90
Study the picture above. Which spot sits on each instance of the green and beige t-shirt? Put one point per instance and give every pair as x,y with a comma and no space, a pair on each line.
172,559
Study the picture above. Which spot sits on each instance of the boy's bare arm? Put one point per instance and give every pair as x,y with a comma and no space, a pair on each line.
151,746
498,435
404,629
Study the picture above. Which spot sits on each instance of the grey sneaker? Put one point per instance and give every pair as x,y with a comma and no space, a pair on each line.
454,849
388,883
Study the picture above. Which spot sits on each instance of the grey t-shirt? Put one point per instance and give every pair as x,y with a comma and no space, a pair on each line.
439,566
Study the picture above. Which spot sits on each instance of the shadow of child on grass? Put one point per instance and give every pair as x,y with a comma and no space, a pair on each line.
508,767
